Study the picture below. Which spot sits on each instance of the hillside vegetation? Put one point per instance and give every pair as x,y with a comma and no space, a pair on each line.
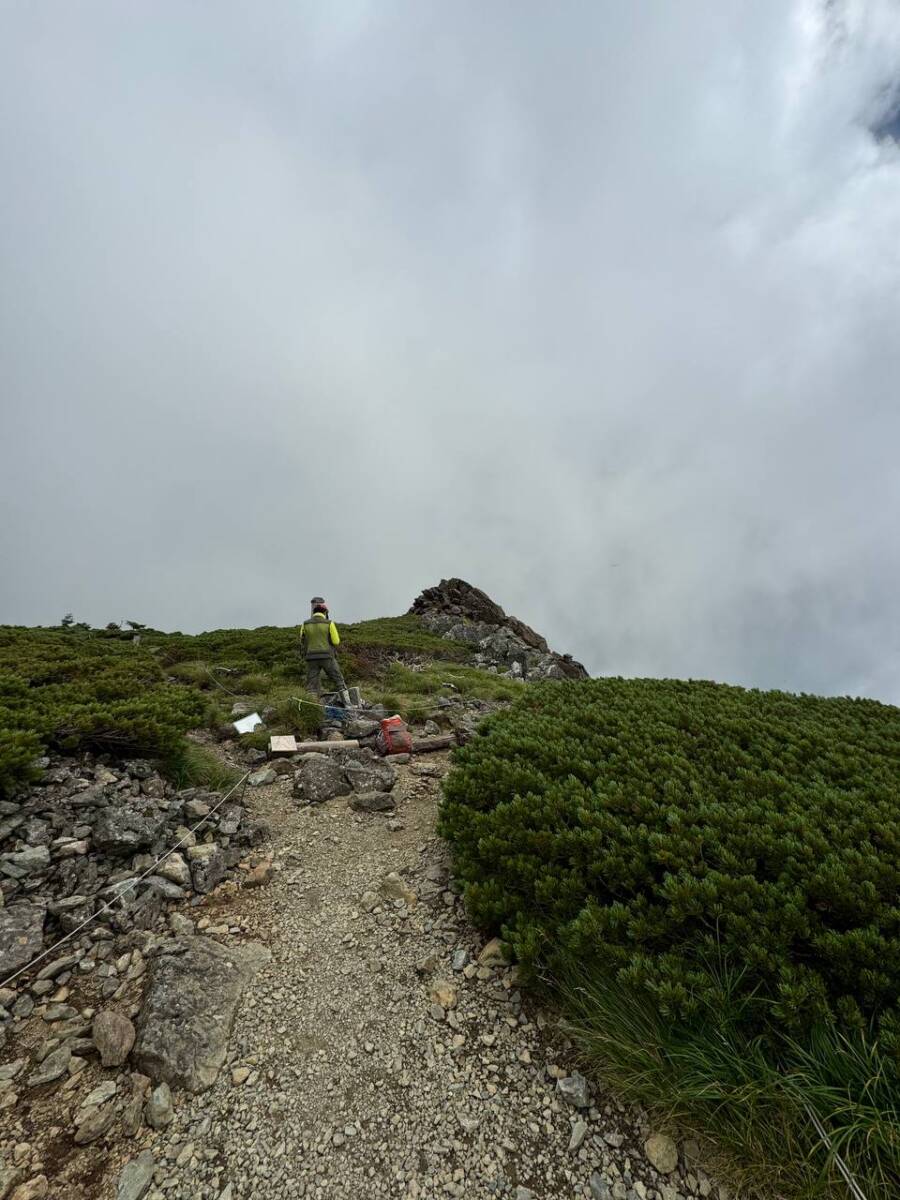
108,690
711,877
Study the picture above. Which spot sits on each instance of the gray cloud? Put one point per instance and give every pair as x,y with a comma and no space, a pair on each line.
596,306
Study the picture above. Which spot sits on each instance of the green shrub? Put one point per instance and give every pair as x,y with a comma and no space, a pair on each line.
67,690
636,832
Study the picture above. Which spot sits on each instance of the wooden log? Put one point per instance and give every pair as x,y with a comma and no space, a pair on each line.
427,745
316,747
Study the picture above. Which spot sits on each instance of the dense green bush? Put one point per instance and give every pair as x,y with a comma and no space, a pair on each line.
710,878
642,825
69,690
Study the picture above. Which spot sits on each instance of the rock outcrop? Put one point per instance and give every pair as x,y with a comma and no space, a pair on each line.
88,833
460,612
189,1008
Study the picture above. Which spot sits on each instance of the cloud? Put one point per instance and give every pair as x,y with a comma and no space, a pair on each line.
595,306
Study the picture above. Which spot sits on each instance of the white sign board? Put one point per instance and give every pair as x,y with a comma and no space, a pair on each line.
248,724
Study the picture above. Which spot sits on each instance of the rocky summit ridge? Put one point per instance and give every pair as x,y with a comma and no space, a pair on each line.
461,612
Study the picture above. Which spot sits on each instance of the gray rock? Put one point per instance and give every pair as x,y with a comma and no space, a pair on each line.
181,925
35,1189
371,774
122,830
320,779
662,1153
207,867
600,1189
57,966
524,1193
231,817
52,1068
574,1089
94,1125
30,861
136,1177
9,1177
164,888
372,802
189,1008
113,1035
579,1133
262,777
159,1111
175,869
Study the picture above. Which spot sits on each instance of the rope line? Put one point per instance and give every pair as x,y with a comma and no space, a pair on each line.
131,884
423,706
852,1186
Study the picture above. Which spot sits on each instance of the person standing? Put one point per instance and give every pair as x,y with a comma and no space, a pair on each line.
318,638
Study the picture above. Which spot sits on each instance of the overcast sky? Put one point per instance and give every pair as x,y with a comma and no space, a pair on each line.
596,305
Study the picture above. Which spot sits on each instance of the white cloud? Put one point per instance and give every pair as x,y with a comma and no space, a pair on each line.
594,305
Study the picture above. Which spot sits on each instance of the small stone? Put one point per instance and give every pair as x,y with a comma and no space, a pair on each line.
181,925
240,1075
460,959
614,1139
492,954
52,1068
262,777
574,1089
136,1177
94,1125
662,1153
394,888
599,1188
113,1036
524,1193
372,802
579,1133
102,1092
159,1112
34,1189
175,869
368,901
259,875
443,993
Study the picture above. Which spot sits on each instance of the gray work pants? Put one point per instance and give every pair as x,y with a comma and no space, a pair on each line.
314,667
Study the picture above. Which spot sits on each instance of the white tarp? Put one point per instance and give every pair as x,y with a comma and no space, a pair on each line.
248,724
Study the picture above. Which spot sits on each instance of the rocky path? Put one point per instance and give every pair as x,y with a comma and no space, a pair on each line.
384,1051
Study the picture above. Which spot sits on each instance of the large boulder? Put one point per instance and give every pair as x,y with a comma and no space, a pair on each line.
123,830
189,1009
319,779
370,773
21,935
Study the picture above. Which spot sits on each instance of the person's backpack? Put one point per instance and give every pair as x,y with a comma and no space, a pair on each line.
394,737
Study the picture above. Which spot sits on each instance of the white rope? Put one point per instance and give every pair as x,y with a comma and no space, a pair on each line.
118,896
421,707
852,1186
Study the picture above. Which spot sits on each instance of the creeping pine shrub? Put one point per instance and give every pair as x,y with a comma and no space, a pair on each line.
69,690
643,828
710,880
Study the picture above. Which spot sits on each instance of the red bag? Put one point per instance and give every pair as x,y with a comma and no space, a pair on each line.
394,737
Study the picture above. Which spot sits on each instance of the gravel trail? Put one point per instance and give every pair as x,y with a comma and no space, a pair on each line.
375,1056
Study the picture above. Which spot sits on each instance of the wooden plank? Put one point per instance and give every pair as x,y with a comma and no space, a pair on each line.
427,745
284,743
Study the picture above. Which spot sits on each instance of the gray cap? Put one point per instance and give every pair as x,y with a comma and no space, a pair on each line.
317,600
